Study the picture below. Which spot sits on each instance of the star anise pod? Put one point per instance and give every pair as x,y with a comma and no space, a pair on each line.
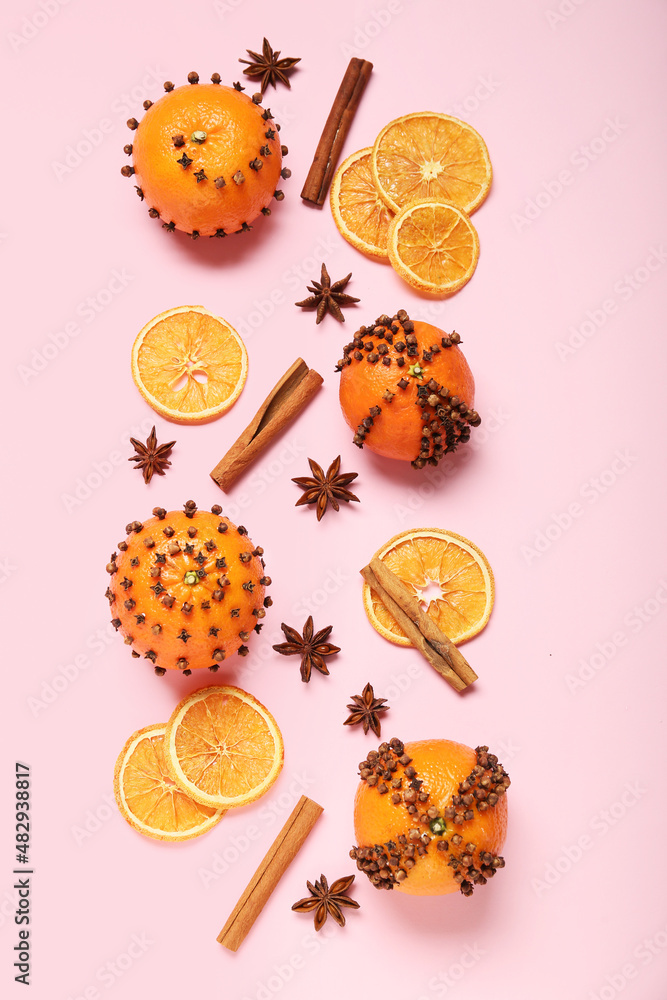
327,297
151,457
325,900
310,647
324,489
366,710
269,66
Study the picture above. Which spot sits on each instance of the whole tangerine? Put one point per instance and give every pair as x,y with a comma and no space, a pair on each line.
430,817
206,158
187,588
407,390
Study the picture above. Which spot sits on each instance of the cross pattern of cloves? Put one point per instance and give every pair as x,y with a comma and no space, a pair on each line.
389,771
390,341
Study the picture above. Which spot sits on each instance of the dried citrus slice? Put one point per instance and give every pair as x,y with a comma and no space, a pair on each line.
223,747
361,216
147,796
450,575
189,365
434,247
431,155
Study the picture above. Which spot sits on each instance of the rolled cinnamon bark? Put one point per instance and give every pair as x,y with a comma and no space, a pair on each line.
335,130
285,401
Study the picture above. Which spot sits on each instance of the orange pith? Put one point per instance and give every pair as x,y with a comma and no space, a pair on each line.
423,557
235,136
147,796
186,601
441,765
223,747
397,432
189,365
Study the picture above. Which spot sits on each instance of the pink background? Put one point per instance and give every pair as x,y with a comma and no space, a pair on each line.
571,692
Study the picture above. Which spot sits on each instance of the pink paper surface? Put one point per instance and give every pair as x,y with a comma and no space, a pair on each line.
562,488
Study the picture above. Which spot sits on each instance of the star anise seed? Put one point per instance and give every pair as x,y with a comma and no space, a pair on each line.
324,489
310,647
328,297
325,900
151,457
366,709
269,66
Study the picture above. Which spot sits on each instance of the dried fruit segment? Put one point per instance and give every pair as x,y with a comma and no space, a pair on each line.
223,747
434,247
425,557
189,365
359,212
427,155
147,796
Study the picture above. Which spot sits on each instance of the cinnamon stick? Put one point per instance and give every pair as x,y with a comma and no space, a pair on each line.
420,629
279,856
335,130
285,401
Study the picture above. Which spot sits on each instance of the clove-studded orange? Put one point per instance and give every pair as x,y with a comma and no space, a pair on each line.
406,390
430,817
206,158
187,588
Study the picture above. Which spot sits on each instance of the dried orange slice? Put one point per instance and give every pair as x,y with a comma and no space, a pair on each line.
450,575
189,365
361,217
428,155
223,747
434,247
147,796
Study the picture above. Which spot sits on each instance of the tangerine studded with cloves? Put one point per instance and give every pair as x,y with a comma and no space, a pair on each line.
206,158
406,390
430,817
187,589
